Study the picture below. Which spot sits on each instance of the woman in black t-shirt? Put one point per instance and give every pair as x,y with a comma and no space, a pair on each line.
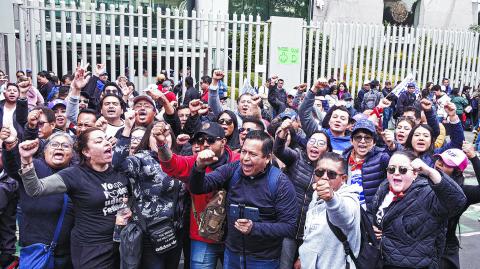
96,190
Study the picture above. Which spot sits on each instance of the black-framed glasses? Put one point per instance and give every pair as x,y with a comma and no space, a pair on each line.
136,139
330,174
241,130
401,169
225,121
57,145
210,140
366,138
317,142
41,124
109,91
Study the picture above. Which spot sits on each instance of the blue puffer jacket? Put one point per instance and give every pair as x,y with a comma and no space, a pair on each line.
373,170
413,227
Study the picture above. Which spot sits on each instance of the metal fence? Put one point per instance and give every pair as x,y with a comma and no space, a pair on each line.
355,52
57,37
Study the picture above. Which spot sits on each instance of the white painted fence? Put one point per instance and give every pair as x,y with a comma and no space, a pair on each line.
172,39
355,52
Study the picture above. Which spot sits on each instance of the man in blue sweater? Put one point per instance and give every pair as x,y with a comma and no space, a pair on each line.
262,192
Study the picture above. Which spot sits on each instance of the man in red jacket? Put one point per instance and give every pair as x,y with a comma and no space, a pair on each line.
205,253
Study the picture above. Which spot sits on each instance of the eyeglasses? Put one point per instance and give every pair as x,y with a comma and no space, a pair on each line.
401,169
146,106
318,142
330,174
241,130
359,138
41,124
225,121
111,92
136,139
57,145
210,140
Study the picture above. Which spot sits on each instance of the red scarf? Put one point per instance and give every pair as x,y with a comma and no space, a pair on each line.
354,164
396,195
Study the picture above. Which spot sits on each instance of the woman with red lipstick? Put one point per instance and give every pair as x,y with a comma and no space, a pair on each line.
96,190
410,212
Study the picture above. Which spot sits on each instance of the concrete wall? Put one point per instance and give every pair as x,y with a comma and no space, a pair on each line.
446,14
362,11
7,28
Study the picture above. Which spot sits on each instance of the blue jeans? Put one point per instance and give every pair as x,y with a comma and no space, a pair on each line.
235,261
387,115
289,249
205,255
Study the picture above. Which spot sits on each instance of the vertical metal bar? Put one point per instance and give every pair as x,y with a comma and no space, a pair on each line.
432,55
411,42
309,57
122,40
368,46
249,49
21,19
83,24
149,45
324,49
226,29
362,55
374,52
422,53
159,40
399,46
201,71
242,50
394,41
53,37
131,44
113,50
184,49
73,30
234,59
304,51
265,50
387,54
140,49
193,48
176,34
331,56
427,57
93,35
317,52
63,30
33,44
472,54
43,40
355,59
257,51
455,52
218,41
349,43
448,64
167,41
457,75
344,50
445,44
336,50
477,70
475,64
103,35
210,42
437,57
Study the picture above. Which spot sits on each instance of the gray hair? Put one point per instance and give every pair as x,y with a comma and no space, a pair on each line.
59,134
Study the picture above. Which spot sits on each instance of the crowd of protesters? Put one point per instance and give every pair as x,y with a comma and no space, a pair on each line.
312,177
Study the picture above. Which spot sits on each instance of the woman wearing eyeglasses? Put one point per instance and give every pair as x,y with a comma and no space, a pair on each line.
366,162
299,168
410,212
39,215
96,190
228,120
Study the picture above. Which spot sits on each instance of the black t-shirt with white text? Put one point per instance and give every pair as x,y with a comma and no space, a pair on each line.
96,197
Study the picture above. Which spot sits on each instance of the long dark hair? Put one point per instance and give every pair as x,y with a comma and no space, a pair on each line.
233,140
145,142
82,143
408,143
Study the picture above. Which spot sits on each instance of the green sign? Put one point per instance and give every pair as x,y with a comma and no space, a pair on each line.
288,55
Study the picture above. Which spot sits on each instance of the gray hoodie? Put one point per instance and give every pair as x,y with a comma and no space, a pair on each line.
321,249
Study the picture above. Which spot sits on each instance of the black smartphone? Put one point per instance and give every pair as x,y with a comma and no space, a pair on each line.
244,212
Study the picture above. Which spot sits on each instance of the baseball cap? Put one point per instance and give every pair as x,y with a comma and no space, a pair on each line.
144,98
211,129
411,85
167,83
365,82
57,102
454,158
364,124
347,96
292,92
288,113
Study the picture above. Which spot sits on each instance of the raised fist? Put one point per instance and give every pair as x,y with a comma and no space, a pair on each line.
206,158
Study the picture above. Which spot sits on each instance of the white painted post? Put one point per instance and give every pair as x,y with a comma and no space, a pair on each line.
427,57
387,52
249,49
93,35
362,56
53,38
226,29
356,43
21,20
121,55
317,52
193,46
344,45
406,39
399,52
159,40
149,46
185,48
33,45
257,50
234,59
176,37
201,66
394,48
167,42
63,30
445,43
411,44
210,43
140,49
242,50
324,49
350,43
131,45
83,25
374,53
113,50
265,50
309,57
73,30
368,47
103,34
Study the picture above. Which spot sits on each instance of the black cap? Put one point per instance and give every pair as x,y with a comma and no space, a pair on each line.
347,96
211,129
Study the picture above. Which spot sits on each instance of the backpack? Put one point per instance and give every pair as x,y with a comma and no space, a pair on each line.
369,255
212,221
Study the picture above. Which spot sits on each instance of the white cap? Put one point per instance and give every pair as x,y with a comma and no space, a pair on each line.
366,82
